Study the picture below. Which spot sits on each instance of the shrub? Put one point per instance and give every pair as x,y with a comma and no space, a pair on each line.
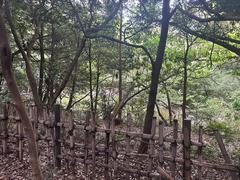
223,127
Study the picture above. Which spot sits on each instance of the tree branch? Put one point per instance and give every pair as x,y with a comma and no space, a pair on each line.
232,48
210,19
125,43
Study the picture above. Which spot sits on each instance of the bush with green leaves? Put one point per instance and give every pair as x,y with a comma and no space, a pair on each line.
236,104
223,127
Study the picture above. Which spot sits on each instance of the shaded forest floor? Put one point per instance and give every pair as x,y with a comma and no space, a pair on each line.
13,169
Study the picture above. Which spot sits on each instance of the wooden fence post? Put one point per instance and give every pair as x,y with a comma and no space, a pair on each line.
161,132
35,127
107,139
57,135
224,152
49,131
186,149
113,141
200,140
5,129
128,142
174,148
86,143
93,139
71,138
151,145
20,139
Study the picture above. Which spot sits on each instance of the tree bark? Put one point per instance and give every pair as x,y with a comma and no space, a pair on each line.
185,77
26,57
51,70
71,96
69,71
90,78
42,62
155,75
120,64
161,116
97,86
6,62
169,105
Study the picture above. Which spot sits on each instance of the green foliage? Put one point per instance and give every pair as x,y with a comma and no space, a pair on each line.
213,72
230,7
210,151
236,154
223,127
236,104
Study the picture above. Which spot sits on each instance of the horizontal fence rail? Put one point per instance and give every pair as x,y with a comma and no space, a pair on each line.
74,136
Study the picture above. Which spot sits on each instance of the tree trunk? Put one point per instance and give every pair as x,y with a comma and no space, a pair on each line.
90,78
97,86
71,96
51,70
42,62
69,71
185,76
169,105
6,62
155,75
26,57
161,116
120,64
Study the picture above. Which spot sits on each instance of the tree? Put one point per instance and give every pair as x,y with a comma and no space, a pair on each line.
26,56
6,63
155,74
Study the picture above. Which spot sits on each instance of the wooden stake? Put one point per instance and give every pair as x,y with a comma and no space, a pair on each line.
93,138
161,132
71,137
164,174
5,129
174,148
20,139
128,139
187,149
107,149
224,152
57,135
200,140
114,150
151,145
86,142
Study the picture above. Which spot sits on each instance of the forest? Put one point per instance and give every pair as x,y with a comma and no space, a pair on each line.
119,89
